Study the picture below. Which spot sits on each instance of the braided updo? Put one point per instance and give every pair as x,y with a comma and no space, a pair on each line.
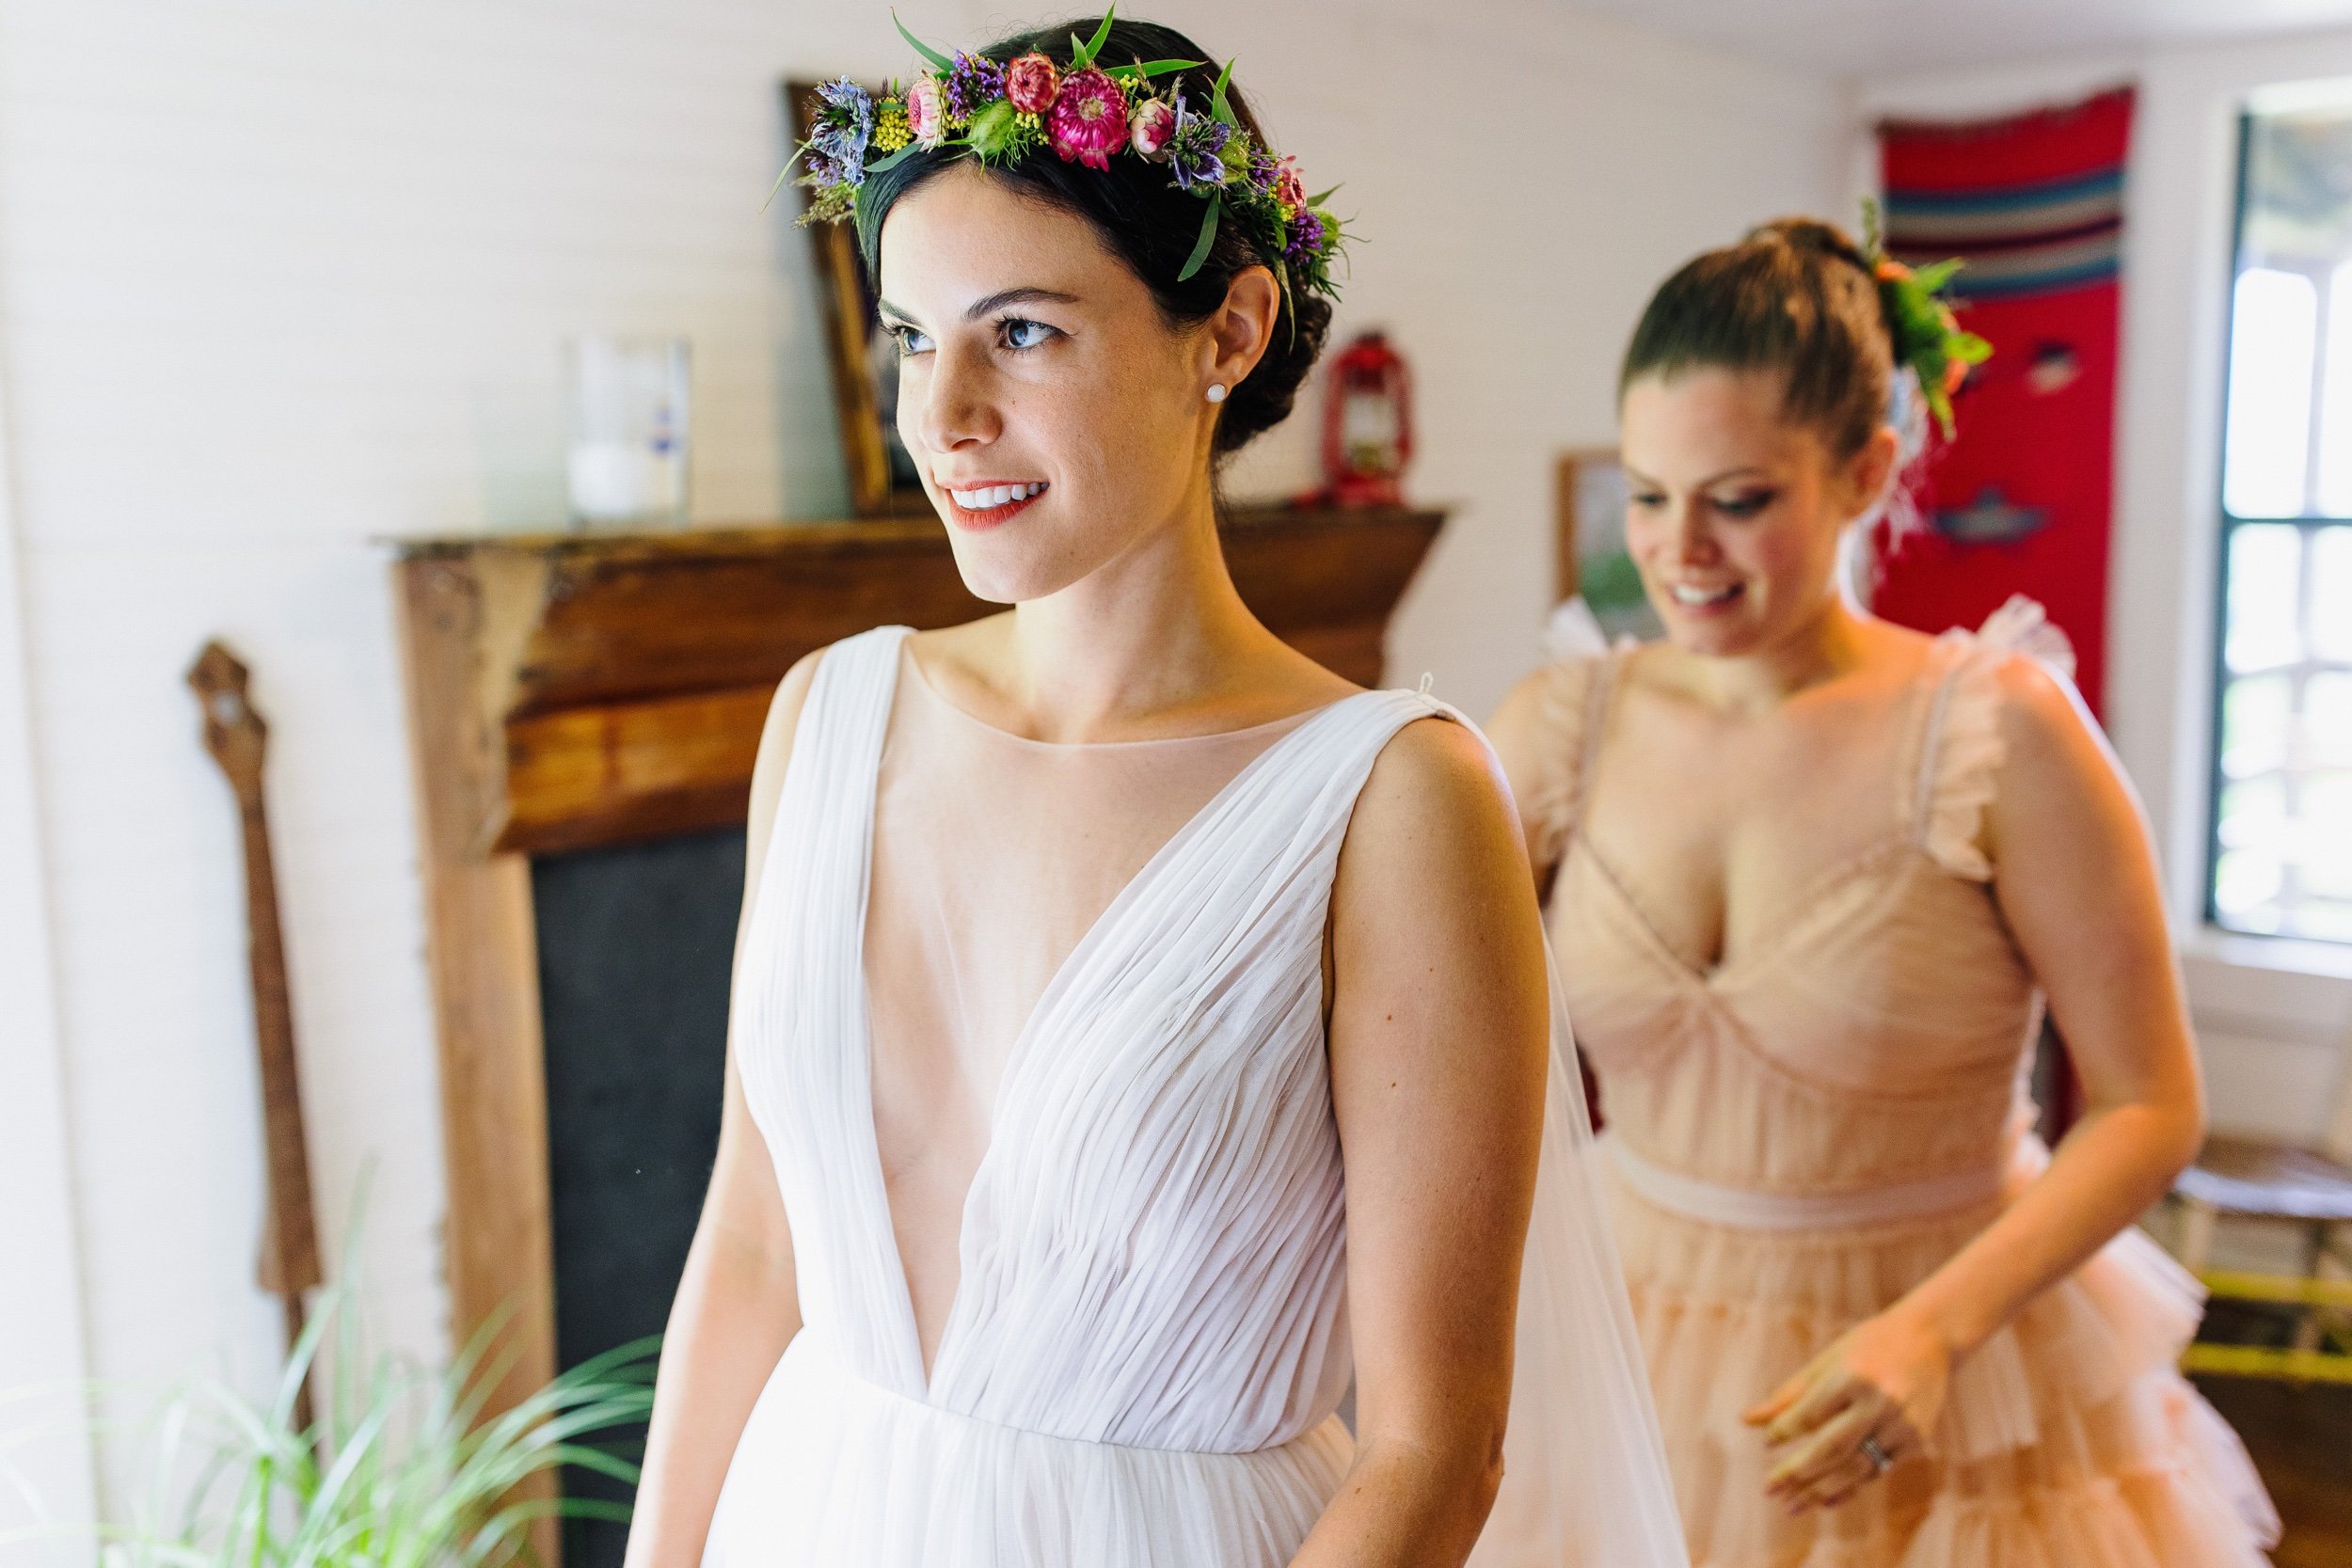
1796,296
1145,220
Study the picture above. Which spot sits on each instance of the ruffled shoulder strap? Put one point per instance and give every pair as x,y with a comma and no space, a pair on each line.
1572,701
1962,750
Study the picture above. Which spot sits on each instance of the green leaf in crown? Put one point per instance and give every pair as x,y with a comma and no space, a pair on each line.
1929,340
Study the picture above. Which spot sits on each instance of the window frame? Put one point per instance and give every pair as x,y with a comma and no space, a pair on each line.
2307,525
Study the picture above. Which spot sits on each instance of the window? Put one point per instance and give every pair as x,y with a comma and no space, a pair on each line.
2282,848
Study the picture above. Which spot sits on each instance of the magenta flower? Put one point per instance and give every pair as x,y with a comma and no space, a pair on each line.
926,117
1089,120
1290,188
1149,128
1032,83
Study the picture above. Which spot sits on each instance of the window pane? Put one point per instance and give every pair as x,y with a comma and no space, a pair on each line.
2320,920
2326,737
2256,714
2323,836
2335,401
2331,594
2273,345
2266,573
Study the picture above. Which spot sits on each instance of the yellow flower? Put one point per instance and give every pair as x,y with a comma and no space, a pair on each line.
891,131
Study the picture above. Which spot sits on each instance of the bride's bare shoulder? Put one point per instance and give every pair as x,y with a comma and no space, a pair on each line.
1435,812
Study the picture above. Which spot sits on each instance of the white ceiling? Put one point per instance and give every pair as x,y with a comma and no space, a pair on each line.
1863,38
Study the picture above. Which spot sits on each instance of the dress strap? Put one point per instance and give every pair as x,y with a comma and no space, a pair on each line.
1573,710
1960,749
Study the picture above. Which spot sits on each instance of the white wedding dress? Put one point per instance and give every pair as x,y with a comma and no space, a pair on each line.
1147,1339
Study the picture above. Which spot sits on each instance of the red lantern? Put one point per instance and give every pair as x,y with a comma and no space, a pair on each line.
1368,424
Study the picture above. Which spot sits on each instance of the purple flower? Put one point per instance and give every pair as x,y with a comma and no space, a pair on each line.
845,124
1265,168
974,82
1306,237
1194,146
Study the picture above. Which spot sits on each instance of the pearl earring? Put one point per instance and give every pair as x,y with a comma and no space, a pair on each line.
1217,392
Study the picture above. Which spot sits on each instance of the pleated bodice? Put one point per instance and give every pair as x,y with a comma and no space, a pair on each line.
1878,1032
1111,958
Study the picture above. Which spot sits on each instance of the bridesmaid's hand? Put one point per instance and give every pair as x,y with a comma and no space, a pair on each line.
1885,1379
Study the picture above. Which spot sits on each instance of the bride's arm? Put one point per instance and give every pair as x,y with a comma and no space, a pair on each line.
1439,1020
737,1306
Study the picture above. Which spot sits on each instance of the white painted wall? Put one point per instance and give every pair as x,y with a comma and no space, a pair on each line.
45,1478
279,278
2275,1018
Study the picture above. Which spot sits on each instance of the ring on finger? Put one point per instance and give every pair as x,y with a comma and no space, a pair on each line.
1875,1451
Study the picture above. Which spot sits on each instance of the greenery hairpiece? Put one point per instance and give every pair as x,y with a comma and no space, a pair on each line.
1001,112
1927,335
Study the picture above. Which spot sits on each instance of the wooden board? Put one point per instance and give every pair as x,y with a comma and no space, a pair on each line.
619,683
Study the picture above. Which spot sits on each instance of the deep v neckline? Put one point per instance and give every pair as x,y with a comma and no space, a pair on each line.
1793,915
1098,932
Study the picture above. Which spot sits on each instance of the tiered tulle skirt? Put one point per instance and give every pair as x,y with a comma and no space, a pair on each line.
833,1471
2069,1439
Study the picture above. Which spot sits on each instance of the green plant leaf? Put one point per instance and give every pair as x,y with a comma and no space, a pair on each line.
1208,237
1082,55
1218,108
1932,278
942,61
1149,69
1319,201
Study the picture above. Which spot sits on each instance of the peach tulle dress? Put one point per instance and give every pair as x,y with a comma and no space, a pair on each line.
1123,1336
1799,1136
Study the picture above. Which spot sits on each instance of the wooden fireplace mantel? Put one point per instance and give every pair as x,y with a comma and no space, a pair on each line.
613,687
567,691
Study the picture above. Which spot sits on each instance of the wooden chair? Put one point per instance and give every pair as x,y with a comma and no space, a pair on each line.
2247,1181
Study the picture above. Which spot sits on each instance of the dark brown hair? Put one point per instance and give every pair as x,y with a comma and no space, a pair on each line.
1796,296
1145,220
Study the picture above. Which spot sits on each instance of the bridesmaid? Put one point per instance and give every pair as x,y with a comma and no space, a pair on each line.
1812,878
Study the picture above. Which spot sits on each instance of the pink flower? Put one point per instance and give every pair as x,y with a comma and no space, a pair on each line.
1089,120
1149,128
926,119
1032,83
1290,188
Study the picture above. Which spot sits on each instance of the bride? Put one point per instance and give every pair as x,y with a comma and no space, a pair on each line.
1139,1030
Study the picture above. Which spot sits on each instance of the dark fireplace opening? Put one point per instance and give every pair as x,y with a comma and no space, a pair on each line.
636,944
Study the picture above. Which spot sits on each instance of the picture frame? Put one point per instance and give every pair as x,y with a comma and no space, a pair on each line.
860,356
1588,544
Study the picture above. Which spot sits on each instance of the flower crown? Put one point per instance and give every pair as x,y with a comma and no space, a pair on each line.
1927,336
1001,112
